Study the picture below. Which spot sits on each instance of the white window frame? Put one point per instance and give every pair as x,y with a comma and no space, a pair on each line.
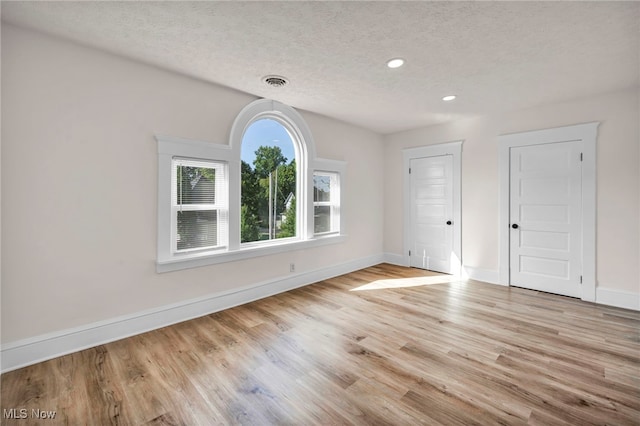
172,147
301,157
333,203
219,206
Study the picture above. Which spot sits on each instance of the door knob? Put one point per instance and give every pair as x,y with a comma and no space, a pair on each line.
449,222
514,226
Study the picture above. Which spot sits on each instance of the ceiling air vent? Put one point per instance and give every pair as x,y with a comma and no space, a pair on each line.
275,81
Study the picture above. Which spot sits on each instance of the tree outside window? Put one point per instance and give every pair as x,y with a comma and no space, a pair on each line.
269,175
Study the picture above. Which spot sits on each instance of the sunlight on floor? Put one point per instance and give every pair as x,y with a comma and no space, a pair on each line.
408,282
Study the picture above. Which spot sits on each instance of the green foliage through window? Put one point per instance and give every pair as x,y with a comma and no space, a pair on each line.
268,207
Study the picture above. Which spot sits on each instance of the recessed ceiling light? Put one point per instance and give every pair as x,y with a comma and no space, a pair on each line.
449,98
275,80
395,63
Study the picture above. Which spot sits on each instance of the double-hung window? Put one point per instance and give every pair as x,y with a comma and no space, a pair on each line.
199,205
326,202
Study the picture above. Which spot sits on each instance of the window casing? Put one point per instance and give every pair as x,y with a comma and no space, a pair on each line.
224,162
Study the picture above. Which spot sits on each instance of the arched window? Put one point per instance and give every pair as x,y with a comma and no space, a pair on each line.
264,192
269,176
277,137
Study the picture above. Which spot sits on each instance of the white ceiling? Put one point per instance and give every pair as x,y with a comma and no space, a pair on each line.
496,56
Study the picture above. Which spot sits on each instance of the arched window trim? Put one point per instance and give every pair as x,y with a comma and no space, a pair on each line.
267,107
304,147
308,164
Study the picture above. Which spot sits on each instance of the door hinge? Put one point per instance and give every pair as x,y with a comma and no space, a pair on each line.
581,157
409,252
580,279
409,170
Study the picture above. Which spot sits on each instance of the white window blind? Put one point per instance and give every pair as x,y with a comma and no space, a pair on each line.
199,211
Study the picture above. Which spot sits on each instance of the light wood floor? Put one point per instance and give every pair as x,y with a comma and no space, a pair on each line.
349,351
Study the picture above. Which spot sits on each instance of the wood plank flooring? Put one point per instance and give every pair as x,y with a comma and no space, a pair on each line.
382,346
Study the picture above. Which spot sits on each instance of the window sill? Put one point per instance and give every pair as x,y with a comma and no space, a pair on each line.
247,252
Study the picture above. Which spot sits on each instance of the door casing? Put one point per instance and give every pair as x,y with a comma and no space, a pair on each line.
455,150
586,134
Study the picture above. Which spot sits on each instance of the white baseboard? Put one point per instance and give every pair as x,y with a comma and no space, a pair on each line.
394,259
618,298
485,275
25,352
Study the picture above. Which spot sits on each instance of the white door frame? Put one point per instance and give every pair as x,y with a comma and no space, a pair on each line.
586,134
450,148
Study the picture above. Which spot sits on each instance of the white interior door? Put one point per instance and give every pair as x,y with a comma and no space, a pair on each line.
431,185
546,217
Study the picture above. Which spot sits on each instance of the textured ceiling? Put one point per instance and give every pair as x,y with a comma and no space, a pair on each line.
496,56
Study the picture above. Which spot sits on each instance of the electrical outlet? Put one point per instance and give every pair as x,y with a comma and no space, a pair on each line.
292,267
